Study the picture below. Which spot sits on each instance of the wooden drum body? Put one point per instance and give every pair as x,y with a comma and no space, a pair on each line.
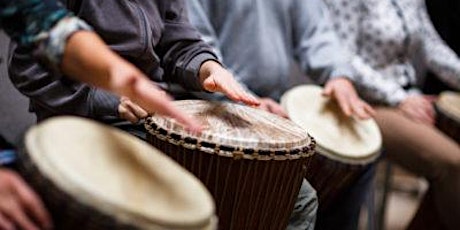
448,114
252,162
95,177
345,146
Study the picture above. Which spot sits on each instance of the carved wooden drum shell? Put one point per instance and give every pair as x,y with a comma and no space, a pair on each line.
345,146
251,161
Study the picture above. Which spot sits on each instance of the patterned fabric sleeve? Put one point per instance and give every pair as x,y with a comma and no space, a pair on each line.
371,84
438,56
39,23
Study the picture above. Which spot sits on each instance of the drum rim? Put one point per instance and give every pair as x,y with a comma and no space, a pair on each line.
301,150
108,206
441,107
227,150
330,153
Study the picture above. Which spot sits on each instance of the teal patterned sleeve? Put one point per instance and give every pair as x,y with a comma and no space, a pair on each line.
43,25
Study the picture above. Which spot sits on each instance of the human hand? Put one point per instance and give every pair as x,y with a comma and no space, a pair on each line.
88,59
215,78
19,205
272,106
419,108
130,111
342,90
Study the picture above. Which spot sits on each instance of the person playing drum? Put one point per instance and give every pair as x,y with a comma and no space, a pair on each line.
174,54
85,58
65,43
259,40
389,49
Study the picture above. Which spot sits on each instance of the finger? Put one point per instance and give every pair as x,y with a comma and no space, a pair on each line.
431,98
246,97
5,223
362,110
423,117
32,204
136,109
371,111
190,123
229,91
264,106
344,105
17,215
359,111
128,115
276,109
151,98
327,91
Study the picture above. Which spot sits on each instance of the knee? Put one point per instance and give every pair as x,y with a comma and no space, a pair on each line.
307,198
306,206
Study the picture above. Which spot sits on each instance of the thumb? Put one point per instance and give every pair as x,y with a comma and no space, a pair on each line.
327,91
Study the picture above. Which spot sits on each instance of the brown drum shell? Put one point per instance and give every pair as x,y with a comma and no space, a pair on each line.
66,212
249,194
331,178
448,125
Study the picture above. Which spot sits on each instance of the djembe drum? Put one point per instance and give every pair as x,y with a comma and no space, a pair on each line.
345,146
253,162
95,177
448,114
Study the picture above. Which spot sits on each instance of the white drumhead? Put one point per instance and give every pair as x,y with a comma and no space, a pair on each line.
119,175
337,136
449,104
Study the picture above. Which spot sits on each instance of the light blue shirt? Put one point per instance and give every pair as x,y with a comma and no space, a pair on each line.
259,40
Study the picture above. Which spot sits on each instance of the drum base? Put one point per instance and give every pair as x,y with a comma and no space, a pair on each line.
330,178
249,194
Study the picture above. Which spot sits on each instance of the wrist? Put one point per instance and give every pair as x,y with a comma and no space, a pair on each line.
207,68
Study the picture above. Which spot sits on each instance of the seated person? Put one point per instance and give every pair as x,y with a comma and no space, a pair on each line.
384,38
64,42
166,49
259,41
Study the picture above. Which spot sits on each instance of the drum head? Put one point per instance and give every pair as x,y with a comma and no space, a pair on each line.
118,175
449,104
238,127
337,136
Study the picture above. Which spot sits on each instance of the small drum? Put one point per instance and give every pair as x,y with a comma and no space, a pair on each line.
253,162
95,177
448,114
344,145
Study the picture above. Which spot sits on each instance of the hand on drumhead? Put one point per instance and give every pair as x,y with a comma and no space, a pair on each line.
131,111
419,108
20,207
103,68
215,78
342,90
150,99
272,106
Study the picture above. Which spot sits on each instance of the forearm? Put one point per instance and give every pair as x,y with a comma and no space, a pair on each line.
373,86
52,93
89,60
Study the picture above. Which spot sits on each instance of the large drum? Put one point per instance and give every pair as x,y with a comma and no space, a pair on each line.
345,146
252,162
448,114
95,177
